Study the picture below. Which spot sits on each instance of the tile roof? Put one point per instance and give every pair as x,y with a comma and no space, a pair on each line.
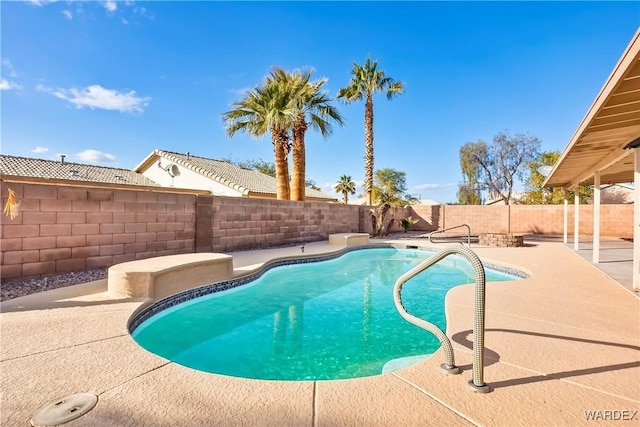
243,180
50,169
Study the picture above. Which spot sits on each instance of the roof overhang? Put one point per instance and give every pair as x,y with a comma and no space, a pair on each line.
92,184
147,162
611,123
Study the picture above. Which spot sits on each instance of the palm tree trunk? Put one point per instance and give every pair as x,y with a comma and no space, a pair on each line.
281,151
346,197
298,161
368,149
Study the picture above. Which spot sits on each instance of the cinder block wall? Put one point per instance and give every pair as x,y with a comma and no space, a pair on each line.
60,229
240,223
618,222
481,219
541,219
428,218
615,220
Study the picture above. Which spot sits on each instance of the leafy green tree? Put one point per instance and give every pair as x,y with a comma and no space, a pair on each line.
502,162
366,81
538,195
469,194
312,184
389,193
263,109
262,166
345,186
469,191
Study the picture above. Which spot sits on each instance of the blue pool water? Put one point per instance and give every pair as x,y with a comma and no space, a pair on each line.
322,320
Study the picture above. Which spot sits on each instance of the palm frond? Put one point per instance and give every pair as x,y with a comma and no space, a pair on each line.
12,205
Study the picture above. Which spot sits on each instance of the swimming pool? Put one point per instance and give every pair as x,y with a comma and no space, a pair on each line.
333,319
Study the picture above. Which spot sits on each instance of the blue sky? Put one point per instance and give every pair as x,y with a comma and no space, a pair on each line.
107,82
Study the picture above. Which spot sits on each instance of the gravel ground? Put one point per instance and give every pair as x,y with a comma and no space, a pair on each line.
15,288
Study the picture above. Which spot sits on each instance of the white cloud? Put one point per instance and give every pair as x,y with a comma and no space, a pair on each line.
9,66
110,5
95,156
434,186
144,12
67,14
7,85
40,150
39,2
327,188
95,96
240,92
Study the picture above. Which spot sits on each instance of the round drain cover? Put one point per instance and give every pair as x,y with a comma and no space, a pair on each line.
64,410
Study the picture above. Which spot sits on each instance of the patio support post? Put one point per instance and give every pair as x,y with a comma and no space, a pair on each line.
576,218
636,219
596,218
566,216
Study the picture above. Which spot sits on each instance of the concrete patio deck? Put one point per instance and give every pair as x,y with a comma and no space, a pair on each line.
562,346
616,259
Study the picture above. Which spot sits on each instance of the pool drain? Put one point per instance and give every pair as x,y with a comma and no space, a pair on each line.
64,410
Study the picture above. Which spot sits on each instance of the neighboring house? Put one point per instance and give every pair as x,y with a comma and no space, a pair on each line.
31,170
427,202
496,199
615,194
222,178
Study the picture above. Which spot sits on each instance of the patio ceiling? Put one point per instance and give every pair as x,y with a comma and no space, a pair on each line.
612,122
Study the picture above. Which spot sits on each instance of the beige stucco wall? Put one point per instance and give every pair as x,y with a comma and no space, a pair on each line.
186,178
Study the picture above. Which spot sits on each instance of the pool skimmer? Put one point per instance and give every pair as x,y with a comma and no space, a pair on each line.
64,410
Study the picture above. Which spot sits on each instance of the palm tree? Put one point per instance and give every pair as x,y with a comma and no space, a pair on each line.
345,186
266,108
306,98
365,82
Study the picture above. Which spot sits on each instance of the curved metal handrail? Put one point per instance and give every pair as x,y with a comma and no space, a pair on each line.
477,383
452,228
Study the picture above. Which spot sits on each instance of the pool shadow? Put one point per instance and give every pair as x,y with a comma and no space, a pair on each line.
491,357
463,338
80,295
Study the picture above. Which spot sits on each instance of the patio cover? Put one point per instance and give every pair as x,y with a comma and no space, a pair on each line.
612,122
604,148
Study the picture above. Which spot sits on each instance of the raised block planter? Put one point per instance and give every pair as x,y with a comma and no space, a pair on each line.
349,239
501,240
160,277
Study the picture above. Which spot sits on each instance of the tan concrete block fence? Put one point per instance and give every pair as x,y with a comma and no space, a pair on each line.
66,228
60,229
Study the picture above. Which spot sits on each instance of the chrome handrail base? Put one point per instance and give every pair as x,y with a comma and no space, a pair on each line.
484,388
451,370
